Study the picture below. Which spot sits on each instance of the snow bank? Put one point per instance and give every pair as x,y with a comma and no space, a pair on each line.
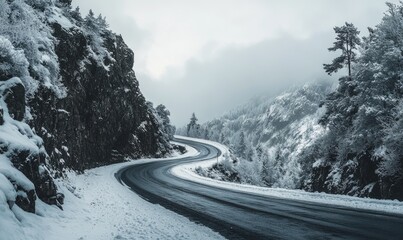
208,163
187,171
189,150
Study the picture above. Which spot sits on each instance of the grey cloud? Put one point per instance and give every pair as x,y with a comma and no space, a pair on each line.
212,87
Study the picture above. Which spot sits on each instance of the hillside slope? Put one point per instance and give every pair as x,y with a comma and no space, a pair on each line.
268,135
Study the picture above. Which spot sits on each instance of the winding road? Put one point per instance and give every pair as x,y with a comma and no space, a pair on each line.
239,215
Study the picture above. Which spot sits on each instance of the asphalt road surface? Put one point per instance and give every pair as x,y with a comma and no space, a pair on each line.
239,215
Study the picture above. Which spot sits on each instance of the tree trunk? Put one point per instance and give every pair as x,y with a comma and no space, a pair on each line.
348,55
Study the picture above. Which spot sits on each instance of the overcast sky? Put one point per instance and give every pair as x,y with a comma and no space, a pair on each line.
208,56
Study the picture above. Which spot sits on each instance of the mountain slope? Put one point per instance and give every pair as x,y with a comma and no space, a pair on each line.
268,135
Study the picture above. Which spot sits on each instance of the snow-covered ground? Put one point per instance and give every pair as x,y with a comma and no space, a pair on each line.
187,171
102,208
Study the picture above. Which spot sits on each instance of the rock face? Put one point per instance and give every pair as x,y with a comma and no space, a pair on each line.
104,116
14,97
69,99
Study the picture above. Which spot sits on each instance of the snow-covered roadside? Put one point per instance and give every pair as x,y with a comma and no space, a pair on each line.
105,209
187,171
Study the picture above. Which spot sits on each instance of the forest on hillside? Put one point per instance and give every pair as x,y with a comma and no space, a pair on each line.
345,139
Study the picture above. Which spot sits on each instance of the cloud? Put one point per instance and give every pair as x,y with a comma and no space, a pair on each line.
234,75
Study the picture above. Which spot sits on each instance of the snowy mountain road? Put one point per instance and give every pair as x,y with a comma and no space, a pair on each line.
239,215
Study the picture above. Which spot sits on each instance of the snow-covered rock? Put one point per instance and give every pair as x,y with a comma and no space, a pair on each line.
23,166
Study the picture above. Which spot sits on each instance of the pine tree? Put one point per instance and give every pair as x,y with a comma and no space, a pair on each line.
193,128
76,14
267,170
241,146
347,41
163,115
96,32
102,22
90,21
206,133
222,138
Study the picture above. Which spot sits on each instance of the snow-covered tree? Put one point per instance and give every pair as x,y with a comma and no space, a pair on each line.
76,14
163,116
26,29
240,147
95,30
13,62
362,116
391,152
193,128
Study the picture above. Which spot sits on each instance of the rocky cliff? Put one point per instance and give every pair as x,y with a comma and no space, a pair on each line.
104,115
69,99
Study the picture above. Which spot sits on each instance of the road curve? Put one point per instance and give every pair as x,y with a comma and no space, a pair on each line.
239,215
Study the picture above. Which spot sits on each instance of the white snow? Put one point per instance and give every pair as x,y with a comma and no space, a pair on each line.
186,171
142,126
10,227
57,151
58,17
318,163
63,111
12,174
6,188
